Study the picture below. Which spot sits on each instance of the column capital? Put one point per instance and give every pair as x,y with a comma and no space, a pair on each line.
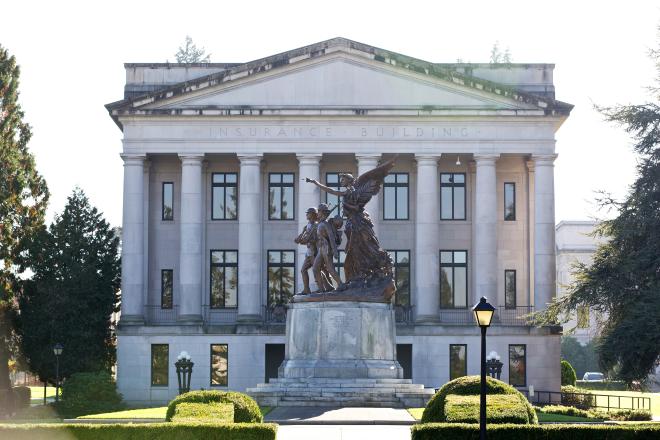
544,159
427,159
250,159
486,159
309,159
188,159
133,159
368,158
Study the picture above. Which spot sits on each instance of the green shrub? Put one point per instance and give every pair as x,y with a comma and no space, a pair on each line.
89,393
566,411
500,408
470,386
639,415
608,385
246,409
571,396
456,431
149,431
204,412
568,376
22,396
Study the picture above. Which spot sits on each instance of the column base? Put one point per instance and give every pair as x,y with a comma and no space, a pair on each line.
192,319
131,320
427,319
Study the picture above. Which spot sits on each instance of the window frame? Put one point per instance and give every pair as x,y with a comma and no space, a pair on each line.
515,289
339,263
333,185
211,384
454,265
466,360
223,185
513,184
453,185
167,364
223,265
162,289
524,384
162,202
283,185
394,268
280,265
396,185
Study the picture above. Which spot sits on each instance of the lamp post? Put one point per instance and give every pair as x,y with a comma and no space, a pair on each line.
57,350
184,368
494,365
483,314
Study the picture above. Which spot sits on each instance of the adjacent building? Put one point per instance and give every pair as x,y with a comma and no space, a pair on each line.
214,161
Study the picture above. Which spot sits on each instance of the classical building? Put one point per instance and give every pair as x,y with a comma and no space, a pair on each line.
214,161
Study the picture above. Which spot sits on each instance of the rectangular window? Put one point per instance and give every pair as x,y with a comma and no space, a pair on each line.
281,276
510,289
168,201
457,361
219,362
224,196
583,317
401,268
509,201
518,365
339,265
332,181
452,196
453,279
224,279
395,196
160,360
281,196
166,283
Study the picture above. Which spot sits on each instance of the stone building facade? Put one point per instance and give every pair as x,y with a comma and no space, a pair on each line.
214,157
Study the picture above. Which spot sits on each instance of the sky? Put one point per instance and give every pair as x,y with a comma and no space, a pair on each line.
72,53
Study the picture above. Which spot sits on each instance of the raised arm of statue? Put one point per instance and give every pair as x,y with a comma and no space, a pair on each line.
325,188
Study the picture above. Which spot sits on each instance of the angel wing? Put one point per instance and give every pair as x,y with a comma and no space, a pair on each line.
368,184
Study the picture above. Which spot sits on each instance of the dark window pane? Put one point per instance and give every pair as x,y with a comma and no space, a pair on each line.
288,256
275,178
453,279
287,203
218,203
459,178
231,177
446,203
509,201
287,178
231,200
517,365
446,290
274,256
510,289
281,276
459,203
166,294
446,257
219,362
457,361
402,178
389,203
274,203
217,287
402,203
389,178
218,178
460,257
168,201
460,287
445,178
224,279
159,364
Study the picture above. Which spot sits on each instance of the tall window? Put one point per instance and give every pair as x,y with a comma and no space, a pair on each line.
509,201
339,264
224,279
452,196
453,279
168,201
583,317
281,276
510,289
457,361
401,276
224,196
166,293
219,362
395,196
518,365
281,196
332,181
160,354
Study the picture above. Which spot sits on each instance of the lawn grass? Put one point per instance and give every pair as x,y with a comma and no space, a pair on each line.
626,403
147,413
37,395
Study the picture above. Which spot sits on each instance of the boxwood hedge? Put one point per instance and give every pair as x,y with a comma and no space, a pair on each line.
246,409
458,431
204,412
150,431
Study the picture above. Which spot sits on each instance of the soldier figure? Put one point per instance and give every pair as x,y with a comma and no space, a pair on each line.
308,237
326,249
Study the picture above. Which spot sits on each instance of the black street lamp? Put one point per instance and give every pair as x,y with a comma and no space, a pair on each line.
483,313
184,368
57,350
494,365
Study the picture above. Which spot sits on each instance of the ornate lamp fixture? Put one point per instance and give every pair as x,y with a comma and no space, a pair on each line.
483,314
184,367
494,365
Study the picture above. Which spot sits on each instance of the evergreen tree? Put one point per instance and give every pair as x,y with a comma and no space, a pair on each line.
623,282
189,53
73,294
23,199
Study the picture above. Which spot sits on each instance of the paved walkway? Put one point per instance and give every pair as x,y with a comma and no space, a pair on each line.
301,415
343,432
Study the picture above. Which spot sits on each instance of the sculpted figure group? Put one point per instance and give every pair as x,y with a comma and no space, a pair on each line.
367,267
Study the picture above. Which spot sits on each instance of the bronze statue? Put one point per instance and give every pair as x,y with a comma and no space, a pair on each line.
308,237
367,268
326,246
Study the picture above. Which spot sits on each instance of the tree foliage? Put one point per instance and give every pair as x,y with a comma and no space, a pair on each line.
190,53
582,358
499,57
623,282
23,199
568,376
73,293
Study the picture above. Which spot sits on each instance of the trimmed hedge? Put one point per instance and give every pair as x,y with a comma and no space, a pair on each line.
246,409
455,431
571,396
150,431
89,393
204,412
638,415
500,408
566,411
471,386
568,376
610,385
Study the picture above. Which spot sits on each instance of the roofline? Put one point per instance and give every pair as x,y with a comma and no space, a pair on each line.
160,65
576,223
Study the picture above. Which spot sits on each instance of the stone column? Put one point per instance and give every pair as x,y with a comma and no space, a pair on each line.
250,255
544,230
308,195
427,275
190,253
485,219
368,162
132,249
